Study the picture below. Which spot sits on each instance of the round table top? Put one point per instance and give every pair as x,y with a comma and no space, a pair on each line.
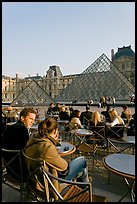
66,148
130,139
10,123
82,132
121,164
63,121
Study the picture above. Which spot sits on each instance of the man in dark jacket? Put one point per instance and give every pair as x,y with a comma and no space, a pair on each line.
86,117
106,114
16,136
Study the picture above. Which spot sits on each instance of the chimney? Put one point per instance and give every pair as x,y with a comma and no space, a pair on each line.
112,54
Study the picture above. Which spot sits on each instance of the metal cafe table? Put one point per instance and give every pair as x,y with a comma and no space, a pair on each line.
124,166
66,148
81,134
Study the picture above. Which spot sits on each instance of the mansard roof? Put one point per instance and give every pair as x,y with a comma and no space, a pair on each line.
124,51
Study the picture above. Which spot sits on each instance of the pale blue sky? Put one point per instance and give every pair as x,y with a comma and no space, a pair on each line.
71,35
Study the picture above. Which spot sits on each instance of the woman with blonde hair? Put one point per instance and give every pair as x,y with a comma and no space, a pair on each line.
115,118
96,119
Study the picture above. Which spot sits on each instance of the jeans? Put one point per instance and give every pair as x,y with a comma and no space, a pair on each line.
78,170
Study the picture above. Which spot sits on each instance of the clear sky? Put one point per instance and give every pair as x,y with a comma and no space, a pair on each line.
71,35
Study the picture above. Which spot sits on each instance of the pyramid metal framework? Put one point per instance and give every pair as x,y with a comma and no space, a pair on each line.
32,95
101,78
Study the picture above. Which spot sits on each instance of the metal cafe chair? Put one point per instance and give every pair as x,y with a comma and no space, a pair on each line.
10,177
115,131
120,145
71,191
84,147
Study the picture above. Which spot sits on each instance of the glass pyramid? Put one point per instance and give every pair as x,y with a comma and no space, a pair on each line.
101,78
33,94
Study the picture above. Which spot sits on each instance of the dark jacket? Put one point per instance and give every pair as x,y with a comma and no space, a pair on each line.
85,117
15,137
107,116
45,148
63,115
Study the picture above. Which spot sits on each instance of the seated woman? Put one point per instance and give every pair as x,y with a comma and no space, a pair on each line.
43,145
74,120
126,114
116,123
96,126
96,119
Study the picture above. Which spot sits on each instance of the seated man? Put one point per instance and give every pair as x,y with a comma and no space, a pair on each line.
63,115
86,116
106,114
16,136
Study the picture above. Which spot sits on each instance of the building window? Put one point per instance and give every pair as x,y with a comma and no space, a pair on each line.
132,65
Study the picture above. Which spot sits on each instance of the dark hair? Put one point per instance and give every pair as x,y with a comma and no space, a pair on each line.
26,111
124,106
75,113
108,108
87,107
47,126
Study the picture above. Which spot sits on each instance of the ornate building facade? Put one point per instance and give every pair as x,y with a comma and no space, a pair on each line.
124,59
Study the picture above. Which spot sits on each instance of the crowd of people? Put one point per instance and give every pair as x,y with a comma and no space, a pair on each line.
43,144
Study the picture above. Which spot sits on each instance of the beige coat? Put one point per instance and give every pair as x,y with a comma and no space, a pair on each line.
45,148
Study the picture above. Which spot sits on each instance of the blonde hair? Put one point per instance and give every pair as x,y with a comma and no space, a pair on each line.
96,117
114,114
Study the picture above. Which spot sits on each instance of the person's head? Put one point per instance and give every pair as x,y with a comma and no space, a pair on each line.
9,109
108,108
52,105
27,116
87,108
124,107
113,113
63,108
48,127
96,117
76,113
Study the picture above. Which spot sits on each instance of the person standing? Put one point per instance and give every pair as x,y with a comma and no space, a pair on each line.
113,101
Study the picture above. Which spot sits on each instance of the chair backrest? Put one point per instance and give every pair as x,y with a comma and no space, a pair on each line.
12,164
71,192
99,131
115,131
119,146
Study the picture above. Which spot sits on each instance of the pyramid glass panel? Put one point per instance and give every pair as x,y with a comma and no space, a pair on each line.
33,94
101,78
